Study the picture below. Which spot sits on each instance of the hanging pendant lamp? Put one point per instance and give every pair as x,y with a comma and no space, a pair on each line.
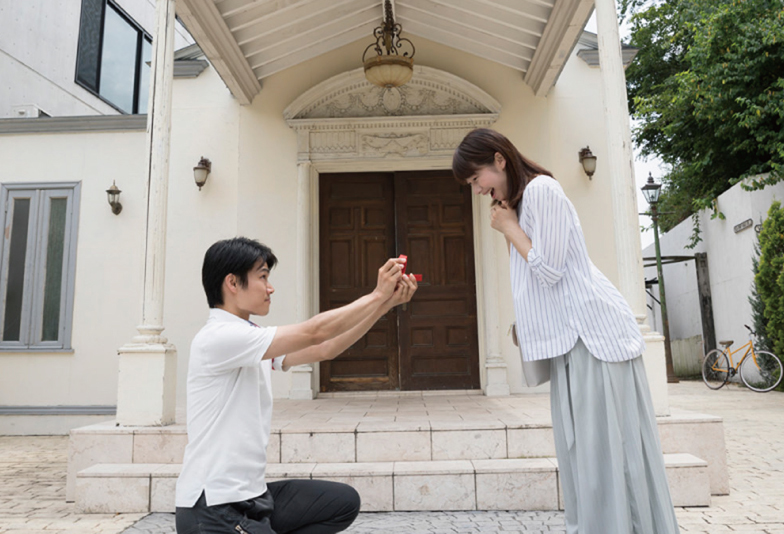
389,62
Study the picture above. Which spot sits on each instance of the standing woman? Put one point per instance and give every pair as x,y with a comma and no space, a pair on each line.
606,439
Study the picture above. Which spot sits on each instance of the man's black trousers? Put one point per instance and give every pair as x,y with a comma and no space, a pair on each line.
288,507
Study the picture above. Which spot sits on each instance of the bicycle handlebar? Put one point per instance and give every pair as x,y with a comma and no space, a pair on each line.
753,333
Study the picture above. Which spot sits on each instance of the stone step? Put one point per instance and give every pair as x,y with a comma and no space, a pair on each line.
491,484
371,442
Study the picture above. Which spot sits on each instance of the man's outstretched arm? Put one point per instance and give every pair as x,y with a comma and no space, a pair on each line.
335,346
332,323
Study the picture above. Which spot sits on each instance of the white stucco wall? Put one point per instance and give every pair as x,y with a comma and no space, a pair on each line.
38,45
253,191
108,262
729,265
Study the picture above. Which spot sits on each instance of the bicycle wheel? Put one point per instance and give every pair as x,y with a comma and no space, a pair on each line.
761,372
715,369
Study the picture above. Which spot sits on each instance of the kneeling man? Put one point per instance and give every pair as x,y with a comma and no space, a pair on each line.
222,489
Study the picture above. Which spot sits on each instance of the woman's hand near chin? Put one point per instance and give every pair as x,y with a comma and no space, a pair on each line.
503,218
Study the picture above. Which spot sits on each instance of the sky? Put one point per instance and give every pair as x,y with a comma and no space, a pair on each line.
642,166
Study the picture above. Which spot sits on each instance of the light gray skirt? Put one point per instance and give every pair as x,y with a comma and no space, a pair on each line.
609,456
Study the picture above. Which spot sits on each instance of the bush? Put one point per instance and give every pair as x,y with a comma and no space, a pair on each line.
770,276
759,322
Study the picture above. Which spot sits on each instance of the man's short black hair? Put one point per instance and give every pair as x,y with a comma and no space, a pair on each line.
235,256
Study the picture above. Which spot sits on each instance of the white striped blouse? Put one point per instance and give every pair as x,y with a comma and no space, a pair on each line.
559,294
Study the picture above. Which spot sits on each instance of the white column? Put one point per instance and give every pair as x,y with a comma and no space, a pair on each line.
495,366
302,375
620,170
148,365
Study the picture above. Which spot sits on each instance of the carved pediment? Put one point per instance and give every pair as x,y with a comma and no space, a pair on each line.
430,92
349,119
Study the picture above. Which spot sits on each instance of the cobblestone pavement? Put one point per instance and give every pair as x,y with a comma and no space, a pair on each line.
32,491
32,484
414,523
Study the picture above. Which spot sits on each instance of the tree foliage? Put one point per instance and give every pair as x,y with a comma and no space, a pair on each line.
759,322
769,280
707,88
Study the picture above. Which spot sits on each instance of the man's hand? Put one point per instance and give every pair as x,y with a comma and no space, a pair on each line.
404,291
327,350
503,218
388,277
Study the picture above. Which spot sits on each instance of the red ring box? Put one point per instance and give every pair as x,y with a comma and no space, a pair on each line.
417,277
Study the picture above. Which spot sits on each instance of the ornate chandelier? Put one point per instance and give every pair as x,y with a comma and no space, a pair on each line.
392,65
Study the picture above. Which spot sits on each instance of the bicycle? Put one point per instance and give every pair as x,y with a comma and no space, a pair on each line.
759,370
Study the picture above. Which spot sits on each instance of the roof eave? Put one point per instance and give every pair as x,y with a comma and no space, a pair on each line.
563,30
205,24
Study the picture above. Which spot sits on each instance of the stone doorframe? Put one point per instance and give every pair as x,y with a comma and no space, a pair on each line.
346,124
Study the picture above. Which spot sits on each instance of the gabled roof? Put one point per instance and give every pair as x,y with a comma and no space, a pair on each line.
248,40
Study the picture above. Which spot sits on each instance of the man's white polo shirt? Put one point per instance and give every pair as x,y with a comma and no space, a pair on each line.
229,411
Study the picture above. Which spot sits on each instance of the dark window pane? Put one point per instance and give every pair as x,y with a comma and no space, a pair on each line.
53,282
118,60
89,54
16,270
144,76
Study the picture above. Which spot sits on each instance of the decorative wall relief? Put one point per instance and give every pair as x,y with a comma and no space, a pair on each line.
413,99
340,141
390,143
447,138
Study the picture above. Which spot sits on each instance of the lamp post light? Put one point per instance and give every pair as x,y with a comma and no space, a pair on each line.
651,192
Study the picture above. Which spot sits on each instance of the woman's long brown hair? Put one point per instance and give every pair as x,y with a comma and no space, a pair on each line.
478,149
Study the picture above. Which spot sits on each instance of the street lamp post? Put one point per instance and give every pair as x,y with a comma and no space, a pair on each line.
651,192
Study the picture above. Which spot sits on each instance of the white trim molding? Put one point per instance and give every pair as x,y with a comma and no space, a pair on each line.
87,123
346,124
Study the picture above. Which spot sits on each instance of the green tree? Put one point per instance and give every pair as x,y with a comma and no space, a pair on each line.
770,276
707,90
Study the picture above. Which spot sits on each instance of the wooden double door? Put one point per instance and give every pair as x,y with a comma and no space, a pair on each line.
366,218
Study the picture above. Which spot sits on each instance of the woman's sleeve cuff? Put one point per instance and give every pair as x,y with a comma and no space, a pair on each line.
546,275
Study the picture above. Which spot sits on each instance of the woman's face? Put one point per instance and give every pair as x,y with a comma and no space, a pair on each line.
491,180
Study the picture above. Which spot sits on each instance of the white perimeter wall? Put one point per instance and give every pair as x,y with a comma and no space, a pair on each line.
252,191
729,265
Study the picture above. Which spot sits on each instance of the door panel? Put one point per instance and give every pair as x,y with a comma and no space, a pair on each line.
366,218
438,334
356,221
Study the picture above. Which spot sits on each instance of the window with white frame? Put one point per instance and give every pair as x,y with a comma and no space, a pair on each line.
37,263
113,56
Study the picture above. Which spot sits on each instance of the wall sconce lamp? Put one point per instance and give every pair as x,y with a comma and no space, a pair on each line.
589,161
113,193
201,171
